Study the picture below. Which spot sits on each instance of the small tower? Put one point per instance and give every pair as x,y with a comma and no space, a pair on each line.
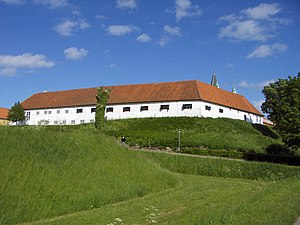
214,81
234,90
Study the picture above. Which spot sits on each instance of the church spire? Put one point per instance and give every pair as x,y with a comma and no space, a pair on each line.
234,90
214,81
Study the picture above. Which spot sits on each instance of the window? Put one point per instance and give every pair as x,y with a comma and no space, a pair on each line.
72,122
144,108
81,121
37,113
220,110
58,111
49,112
92,121
27,115
109,109
164,107
64,122
55,122
207,107
187,106
66,111
93,110
79,111
45,112
126,109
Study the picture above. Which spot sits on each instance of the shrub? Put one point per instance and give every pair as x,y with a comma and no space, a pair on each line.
278,149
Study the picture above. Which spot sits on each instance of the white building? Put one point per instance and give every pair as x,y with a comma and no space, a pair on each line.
168,99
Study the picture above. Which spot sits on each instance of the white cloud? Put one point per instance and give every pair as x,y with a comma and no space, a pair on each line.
164,41
53,3
184,8
174,31
13,2
101,17
264,51
262,11
229,65
119,30
8,72
257,104
112,66
126,4
245,84
75,53
245,30
252,24
9,63
144,38
68,27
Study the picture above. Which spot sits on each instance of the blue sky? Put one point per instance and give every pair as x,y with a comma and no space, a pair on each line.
50,45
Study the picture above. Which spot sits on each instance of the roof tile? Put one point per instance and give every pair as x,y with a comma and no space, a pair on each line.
4,113
138,93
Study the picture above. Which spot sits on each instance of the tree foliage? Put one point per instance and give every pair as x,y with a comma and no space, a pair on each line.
16,113
282,105
102,97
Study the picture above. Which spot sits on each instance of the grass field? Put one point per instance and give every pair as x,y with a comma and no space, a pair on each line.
78,176
46,173
221,133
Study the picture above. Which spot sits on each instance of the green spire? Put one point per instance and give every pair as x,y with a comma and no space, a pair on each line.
234,90
214,81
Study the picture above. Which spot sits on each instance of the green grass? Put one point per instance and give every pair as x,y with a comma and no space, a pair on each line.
218,167
75,175
201,200
221,133
46,173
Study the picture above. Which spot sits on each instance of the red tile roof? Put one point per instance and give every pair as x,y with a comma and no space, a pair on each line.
4,113
138,93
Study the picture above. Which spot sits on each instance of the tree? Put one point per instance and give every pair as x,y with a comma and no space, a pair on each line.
102,98
16,113
282,105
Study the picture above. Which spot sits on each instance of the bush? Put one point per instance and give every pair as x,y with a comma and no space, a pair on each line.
276,149
293,160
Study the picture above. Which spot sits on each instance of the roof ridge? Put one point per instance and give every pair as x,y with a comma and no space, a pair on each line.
162,82
65,90
196,83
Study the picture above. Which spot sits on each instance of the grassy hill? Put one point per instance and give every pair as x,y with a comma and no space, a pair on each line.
221,133
76,175
46,173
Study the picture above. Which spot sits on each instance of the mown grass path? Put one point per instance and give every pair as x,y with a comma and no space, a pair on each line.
201,200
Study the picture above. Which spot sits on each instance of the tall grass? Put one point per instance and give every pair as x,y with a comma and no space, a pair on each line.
221,133
46,173
224,168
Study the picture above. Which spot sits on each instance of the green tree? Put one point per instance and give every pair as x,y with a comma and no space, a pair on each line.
282,105
16,113
102,98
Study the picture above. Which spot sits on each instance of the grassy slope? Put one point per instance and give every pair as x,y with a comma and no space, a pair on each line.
201,200
46,173
219,133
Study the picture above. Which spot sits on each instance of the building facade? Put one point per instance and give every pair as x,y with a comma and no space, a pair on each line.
4,117
168,99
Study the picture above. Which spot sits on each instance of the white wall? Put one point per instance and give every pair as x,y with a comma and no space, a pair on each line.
228,113
175,110
39,117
